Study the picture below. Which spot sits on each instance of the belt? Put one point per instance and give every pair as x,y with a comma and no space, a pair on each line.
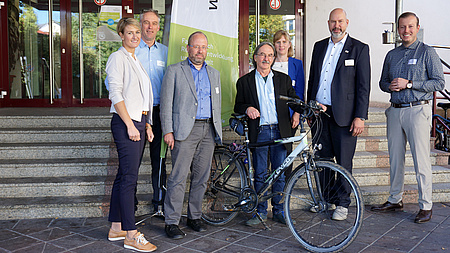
424,102
208,120
144,112
271,126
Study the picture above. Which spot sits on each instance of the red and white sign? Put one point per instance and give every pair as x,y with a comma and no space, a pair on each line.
275,4
100,2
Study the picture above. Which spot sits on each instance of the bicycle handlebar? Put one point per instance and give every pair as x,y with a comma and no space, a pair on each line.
308,108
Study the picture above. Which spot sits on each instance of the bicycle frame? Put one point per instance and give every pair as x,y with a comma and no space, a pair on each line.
287,161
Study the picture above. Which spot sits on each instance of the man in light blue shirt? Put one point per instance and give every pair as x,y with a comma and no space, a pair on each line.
153,56
270,119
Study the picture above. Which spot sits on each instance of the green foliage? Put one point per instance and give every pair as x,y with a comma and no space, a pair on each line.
95,56
268,25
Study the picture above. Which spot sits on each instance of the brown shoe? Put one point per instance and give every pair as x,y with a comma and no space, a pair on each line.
387,206
423,216
116,236
139,243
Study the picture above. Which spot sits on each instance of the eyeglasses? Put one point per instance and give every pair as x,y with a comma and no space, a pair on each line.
262,55
198,47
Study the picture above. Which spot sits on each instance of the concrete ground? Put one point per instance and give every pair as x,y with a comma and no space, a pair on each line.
381,232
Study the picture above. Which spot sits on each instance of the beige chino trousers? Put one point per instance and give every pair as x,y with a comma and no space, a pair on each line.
412,124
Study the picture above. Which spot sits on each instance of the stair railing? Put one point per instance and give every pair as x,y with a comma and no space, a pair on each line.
445,94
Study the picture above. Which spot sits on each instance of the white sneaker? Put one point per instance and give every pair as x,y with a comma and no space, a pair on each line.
340,213
316,209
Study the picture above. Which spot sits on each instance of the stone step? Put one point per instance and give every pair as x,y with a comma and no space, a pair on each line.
48,135
374,129
50,121
376,115
62,150
57,150
379,194
65,186
64,207
373,143
66,167
380,159
380,176
98,206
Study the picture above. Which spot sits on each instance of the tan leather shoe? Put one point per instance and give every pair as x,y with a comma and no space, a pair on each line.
139,243
116,236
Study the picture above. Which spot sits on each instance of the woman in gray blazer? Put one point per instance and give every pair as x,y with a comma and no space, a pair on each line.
131,97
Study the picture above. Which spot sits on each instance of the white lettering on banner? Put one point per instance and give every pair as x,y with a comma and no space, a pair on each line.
213,2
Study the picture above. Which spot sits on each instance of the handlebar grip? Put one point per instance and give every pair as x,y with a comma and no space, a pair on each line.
295,100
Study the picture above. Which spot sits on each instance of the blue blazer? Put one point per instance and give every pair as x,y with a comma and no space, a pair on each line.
297,74
350,88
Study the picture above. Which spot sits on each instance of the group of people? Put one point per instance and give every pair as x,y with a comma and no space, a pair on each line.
181,105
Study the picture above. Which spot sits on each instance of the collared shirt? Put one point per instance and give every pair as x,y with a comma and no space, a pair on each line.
145,86
154,61
203,90
266,97
328,68
419,63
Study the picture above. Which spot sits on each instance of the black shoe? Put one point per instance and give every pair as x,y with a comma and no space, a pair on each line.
423,216
174,232
387,206
196,225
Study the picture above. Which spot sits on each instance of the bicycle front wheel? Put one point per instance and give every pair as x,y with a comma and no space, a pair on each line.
310,203
223,189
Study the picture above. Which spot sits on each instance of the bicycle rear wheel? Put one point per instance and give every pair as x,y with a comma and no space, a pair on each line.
223,189
309,213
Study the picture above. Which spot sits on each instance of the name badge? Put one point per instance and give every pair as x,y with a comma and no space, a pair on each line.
217,90
412,62
349,62
160,63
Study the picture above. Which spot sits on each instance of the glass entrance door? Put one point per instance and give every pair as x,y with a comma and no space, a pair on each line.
34,34
90,52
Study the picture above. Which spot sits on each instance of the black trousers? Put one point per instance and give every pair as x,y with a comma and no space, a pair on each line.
159,175
130,157
337,142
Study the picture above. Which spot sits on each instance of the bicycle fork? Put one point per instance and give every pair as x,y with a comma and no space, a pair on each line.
318,204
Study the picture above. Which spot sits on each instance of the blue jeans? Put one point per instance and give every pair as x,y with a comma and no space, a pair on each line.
277,155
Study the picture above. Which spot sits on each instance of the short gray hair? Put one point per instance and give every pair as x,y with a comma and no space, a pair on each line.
143,11
259,47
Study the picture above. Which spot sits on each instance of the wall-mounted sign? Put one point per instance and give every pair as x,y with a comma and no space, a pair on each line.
100,2
275,4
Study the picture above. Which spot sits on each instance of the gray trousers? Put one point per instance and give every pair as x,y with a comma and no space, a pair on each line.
195,155
412,124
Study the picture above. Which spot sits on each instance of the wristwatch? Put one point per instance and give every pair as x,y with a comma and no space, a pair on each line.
409,84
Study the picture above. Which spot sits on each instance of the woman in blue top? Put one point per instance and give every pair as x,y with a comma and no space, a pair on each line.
287,64
290,66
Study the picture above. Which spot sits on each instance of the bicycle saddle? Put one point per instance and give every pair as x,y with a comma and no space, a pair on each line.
444,106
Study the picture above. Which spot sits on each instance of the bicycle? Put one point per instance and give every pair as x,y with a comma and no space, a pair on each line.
231,189
442,140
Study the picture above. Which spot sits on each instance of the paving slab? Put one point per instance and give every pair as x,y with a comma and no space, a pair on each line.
381,232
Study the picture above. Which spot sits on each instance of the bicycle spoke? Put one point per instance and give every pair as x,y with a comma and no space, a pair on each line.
223,189
311,222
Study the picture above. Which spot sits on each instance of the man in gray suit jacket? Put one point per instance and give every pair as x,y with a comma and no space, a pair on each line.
191,122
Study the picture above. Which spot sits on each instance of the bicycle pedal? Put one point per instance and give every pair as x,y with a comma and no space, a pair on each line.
229,208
